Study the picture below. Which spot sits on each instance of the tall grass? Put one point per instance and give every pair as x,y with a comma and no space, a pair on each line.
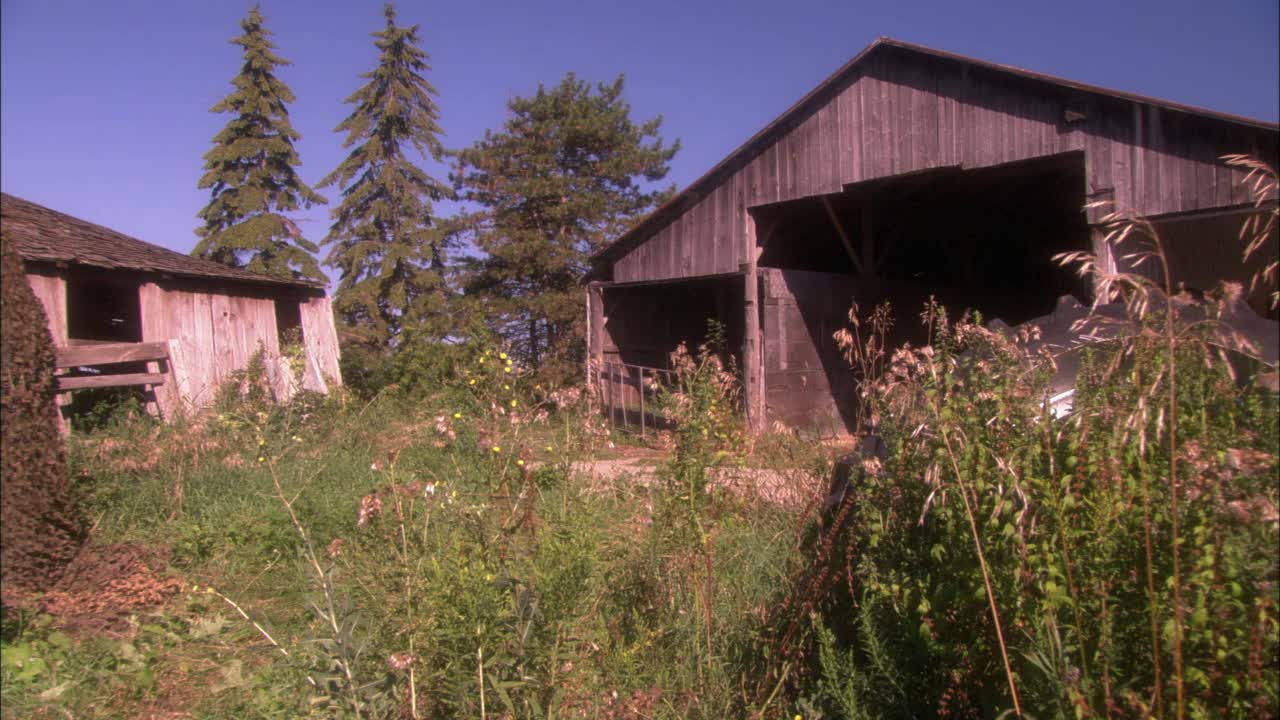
1124,555
435,556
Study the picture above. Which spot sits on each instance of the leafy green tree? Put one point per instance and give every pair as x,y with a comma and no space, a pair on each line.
385,240
569,172
251,171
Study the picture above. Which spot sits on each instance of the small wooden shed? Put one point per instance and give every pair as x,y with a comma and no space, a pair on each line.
125,312
909,173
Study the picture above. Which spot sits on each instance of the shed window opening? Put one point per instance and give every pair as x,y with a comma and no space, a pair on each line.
100,311
289,323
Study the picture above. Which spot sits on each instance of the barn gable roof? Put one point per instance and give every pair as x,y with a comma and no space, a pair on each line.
44,235
699,188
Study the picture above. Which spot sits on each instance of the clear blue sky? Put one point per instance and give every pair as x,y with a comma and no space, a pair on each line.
104,111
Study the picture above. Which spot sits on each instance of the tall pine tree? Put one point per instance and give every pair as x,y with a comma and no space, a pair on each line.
385,240
251,171
569,172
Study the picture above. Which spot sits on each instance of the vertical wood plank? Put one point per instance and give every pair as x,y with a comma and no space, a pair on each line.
51,291
320,341
201,349
722,253
226,353
751,360
152,305
853,131
595,335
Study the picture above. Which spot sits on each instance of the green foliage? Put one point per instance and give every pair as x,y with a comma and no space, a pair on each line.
384,240
568,173
1075,519
102,407
40,531
250,171
421,550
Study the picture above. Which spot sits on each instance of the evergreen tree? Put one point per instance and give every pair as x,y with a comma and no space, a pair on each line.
251,171
568,173
385,242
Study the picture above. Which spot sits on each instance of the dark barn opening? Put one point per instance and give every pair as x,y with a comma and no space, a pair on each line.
645,323
981,240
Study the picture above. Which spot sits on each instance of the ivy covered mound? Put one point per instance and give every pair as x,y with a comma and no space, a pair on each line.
43,560
39,531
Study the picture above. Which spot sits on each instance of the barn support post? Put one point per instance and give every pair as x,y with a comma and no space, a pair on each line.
595,337
753,376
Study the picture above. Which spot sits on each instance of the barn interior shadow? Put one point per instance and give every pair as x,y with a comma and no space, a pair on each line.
972,240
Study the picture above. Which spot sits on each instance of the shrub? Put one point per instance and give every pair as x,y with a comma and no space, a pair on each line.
39,531
996,549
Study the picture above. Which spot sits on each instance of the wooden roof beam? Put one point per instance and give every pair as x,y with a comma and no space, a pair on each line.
844,237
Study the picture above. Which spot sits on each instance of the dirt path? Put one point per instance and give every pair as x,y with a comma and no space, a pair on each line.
768,484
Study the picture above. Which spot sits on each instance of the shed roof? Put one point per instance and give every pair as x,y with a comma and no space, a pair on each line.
703,185
41,234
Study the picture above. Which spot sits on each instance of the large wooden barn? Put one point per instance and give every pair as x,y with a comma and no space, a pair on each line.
123,312
909,173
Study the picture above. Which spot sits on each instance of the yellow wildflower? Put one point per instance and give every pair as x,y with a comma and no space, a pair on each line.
506,369
497,448
520,463
457,416
502,355
472,382
513,403
506,387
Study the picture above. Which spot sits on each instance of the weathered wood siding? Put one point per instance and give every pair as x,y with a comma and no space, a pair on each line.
808,383
51,290
215,334
213,330
320,341
900,112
